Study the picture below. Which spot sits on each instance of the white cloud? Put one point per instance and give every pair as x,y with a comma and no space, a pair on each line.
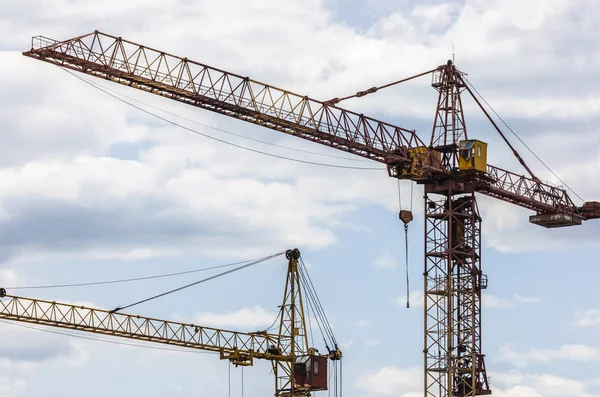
251,317
370,342
517,391
578,353
552,385
588,318
347,344
390,381
24,351
169,193
386,261
518,384
495,302
527,299
426,31
363,323
416,299
488,301
8,278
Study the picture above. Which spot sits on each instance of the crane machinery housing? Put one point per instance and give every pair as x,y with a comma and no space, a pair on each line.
452,167
298,368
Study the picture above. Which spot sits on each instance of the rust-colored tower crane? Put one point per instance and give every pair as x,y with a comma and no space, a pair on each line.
298,368
452,168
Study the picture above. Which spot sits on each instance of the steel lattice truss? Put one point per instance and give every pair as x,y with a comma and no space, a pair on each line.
231,344
292,328
512,187
121,61
454,365
112,58
453,282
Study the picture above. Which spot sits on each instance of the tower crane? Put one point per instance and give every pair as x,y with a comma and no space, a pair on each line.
452,167
298,368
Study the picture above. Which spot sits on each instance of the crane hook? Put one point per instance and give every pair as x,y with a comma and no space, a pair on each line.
406,217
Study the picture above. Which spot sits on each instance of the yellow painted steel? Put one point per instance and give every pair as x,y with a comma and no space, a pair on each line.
421,159
472,155
240,348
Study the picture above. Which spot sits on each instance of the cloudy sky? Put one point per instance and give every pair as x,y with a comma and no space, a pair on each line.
93,189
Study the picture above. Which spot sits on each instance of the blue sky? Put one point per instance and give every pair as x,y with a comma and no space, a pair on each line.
92,189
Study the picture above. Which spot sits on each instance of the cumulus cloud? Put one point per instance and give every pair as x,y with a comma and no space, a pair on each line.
8,277
404,382
527,299
85,176
57,134
588,318
487,300
524,384
580,353
386,261
390,381
250,317
347,344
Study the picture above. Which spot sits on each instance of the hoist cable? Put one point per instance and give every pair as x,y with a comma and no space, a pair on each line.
127,280
232,133
312,337
335,390
406,238
329,367
406,245
520,140
219,139
406,260
318,324
199,282
318,303
341,377
399,196
412,185
274,322
311,307
319,316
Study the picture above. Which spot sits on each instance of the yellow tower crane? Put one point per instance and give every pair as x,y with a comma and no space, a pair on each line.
452,167
298,368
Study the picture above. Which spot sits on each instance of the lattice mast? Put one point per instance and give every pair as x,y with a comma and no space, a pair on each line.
293,338
240,348
453,362
453,278
449,125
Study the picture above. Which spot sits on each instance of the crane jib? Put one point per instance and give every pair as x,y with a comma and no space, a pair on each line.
452,168
406,155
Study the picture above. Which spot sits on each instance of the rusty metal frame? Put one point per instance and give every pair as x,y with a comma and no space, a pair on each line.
121,61
453,308
449,124
453,361
525,192
112,58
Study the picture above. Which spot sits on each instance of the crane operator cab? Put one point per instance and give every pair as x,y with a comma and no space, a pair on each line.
472,156
310,372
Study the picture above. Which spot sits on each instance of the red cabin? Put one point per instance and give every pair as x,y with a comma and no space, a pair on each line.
311,372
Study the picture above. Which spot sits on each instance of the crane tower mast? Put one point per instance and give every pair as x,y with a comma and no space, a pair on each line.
288,350
452,168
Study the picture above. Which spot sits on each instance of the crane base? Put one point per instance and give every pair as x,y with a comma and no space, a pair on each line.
555,220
